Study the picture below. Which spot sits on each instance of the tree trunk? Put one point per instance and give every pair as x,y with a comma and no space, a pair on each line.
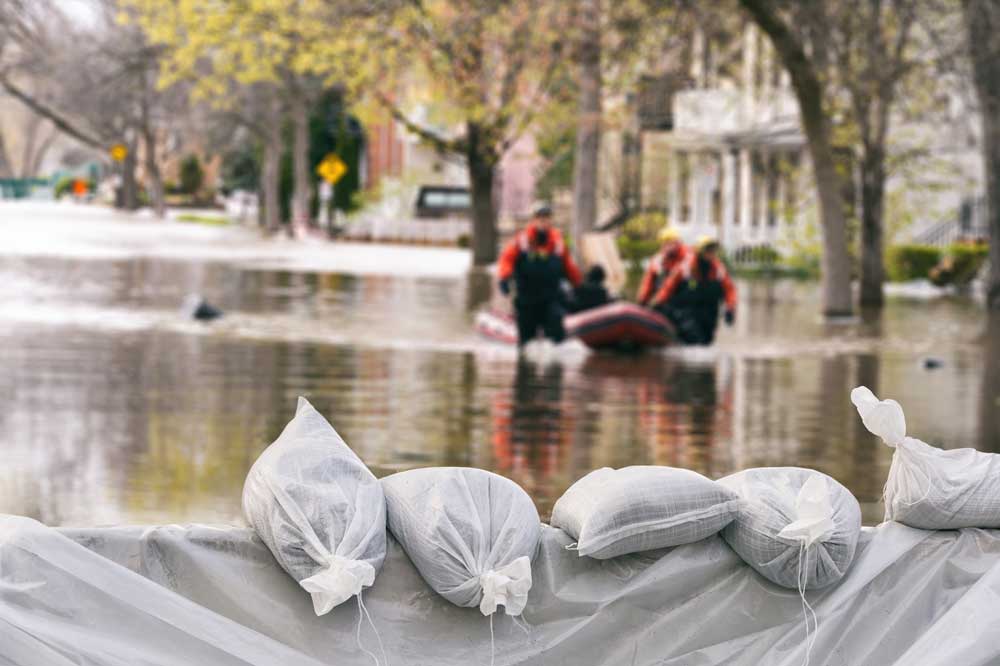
6,169
588,128
302,195
153,176
269,186
482,161
835,263
271,178
982,18
42,151
128,194
872,251
29,138
989,397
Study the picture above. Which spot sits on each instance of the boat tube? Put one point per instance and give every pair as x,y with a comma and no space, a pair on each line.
620,326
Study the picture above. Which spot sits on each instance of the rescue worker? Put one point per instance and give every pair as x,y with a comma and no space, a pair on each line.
591,293
672,253
536,261
691,294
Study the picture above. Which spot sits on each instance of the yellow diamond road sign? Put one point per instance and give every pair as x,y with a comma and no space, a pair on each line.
118,152
331,169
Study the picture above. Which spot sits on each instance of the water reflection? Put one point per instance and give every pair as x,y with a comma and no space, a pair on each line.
989,398
160,421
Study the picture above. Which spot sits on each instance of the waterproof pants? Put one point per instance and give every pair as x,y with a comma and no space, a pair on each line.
547,315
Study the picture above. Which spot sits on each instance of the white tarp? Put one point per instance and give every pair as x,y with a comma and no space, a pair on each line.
206,595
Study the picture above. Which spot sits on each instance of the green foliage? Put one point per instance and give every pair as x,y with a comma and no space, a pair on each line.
961,264
64,186
240,168
911,261
210,220
332,129
637,241
191,175
557,146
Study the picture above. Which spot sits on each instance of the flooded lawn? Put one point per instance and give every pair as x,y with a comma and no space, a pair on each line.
114,408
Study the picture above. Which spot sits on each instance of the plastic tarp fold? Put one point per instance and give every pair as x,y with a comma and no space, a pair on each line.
206,595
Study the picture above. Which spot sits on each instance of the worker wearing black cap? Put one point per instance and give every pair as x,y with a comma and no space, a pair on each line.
537,262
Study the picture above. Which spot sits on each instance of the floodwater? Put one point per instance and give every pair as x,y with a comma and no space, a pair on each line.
116,409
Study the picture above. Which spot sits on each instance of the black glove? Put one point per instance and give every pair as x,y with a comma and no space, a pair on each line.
730,317
505,287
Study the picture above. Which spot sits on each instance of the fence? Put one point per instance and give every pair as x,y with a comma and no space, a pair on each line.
970,224
23,188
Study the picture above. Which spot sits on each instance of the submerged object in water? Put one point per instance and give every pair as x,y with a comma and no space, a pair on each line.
196,307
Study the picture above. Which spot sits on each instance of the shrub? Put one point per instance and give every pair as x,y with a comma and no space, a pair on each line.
911,262
961,264
637,240
64,186
191,175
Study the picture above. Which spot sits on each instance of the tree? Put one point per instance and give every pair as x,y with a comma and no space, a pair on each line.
490,67
807,81
588,130
871,53
982,22
278,53
95,83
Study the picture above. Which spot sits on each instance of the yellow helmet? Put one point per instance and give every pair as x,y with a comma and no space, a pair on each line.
668,234
705,241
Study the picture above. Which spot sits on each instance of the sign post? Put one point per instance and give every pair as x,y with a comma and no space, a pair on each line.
330,169
118,152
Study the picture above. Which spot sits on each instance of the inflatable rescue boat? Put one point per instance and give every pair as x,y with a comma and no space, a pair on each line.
622,326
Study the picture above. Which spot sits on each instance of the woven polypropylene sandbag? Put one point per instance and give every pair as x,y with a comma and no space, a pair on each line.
318,509
931,488
615,512
777,534
470,533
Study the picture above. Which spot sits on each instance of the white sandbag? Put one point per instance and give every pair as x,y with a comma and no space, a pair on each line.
798,527
470,533
614,512
320,511
928,487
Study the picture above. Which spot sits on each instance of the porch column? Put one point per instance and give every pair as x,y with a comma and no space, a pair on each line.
746,190
729,194
674,187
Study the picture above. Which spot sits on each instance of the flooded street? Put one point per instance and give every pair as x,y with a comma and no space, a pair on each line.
114,408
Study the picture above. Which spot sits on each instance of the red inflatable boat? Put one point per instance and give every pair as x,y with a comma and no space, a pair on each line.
622,326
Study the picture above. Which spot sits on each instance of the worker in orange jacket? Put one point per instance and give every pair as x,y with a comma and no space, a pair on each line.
673,252
536,261
691,294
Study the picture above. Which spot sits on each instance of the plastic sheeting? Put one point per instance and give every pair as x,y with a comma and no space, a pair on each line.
204,595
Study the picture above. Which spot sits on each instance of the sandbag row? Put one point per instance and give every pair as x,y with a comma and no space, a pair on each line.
797,527
323,515
472,534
